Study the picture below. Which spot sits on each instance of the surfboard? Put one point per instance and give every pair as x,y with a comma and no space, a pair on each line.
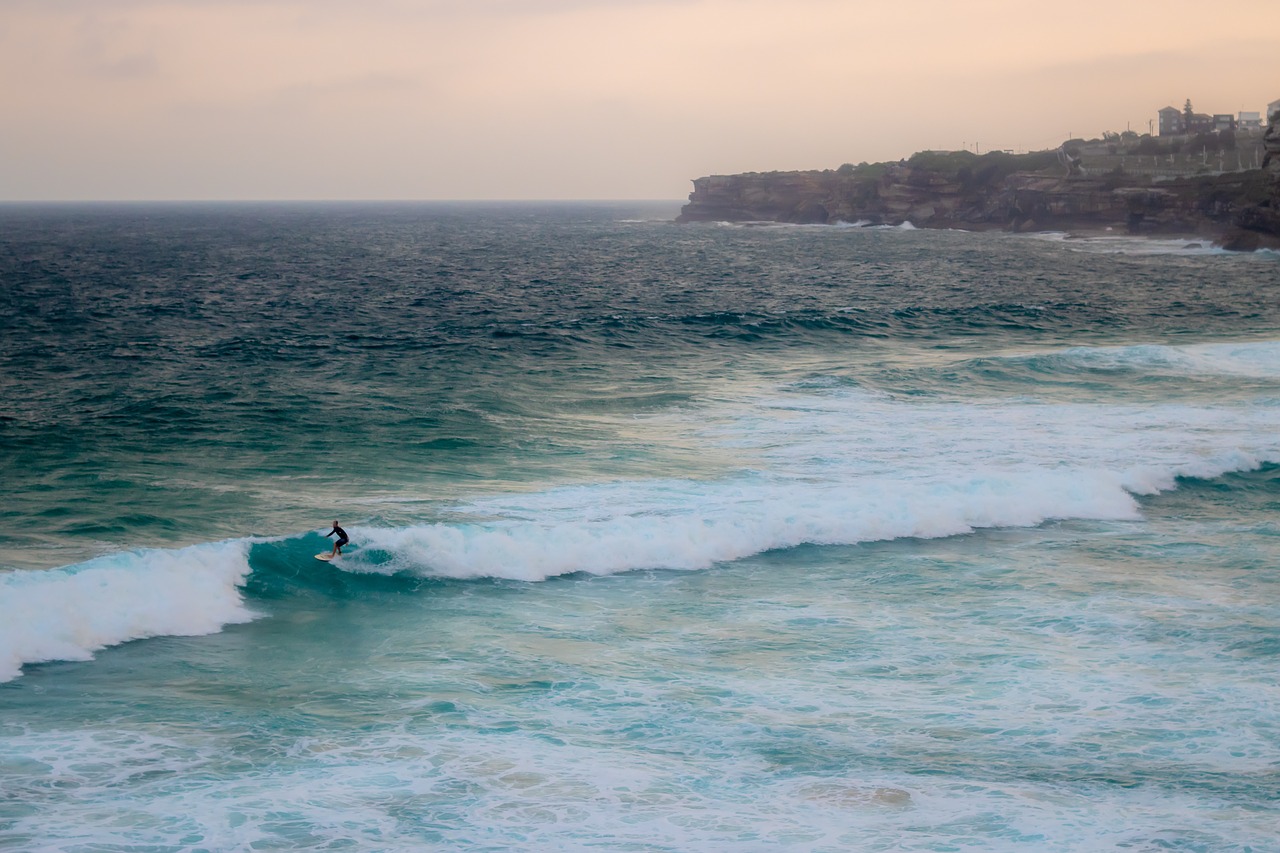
325,555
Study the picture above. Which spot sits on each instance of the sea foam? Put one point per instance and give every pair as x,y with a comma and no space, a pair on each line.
824,464
677,525
843,466
72,612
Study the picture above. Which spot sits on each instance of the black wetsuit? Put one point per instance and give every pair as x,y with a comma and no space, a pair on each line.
342,535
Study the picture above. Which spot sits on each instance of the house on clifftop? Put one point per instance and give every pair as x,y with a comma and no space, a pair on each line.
1170,121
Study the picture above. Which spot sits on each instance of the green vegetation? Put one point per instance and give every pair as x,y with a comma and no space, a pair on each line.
863,171
972,171
975,171
1151,145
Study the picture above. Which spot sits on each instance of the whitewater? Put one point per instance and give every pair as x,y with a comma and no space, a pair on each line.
662,537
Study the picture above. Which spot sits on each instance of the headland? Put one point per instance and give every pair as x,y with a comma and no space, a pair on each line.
1080,187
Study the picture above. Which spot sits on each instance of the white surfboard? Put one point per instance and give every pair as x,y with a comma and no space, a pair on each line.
326,556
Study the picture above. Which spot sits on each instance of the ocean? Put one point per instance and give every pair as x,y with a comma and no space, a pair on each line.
663,538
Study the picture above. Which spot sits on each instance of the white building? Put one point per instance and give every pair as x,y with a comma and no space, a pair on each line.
1272,109
1245,120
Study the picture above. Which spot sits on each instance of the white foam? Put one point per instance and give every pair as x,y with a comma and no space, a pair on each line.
827,464
687,525
72,612
817,462
1134,245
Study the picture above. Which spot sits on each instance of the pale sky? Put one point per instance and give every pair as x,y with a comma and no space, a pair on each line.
579,99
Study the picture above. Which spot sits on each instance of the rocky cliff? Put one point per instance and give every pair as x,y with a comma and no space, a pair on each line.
1257,224
1039,192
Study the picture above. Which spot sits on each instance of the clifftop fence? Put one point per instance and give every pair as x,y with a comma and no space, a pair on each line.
1248,154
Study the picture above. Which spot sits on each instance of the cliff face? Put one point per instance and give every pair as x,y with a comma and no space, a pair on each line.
800,197
1257,225
1240,209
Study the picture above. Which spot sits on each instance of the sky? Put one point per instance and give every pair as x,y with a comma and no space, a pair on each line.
579,99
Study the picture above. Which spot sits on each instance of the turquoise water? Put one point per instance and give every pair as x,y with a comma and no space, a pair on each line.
664,538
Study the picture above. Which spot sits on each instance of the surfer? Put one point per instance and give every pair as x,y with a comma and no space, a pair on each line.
342,538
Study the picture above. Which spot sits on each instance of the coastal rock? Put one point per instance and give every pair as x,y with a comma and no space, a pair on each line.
964,191
1271,145
755,197
1257,225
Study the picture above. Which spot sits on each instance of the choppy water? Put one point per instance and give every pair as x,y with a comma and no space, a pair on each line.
664,538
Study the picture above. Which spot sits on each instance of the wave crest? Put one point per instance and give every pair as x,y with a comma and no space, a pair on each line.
722,522
70,613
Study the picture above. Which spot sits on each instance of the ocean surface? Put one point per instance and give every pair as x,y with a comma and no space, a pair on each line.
664,538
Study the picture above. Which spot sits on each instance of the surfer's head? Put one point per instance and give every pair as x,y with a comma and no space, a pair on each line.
335,522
